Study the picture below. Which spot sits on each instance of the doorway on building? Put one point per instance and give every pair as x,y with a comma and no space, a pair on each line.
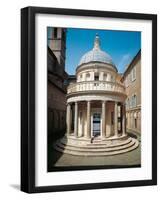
96,124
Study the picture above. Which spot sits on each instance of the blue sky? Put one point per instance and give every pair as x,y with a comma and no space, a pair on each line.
122,46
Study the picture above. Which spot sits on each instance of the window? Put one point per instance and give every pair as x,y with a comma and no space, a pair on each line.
96,77
133,101
133,74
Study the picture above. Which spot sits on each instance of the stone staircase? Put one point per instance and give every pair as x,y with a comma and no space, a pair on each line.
97,148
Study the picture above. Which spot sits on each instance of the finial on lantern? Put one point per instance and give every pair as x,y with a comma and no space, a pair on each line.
97,42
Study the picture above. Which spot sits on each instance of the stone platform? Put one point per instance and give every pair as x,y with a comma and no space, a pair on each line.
98,147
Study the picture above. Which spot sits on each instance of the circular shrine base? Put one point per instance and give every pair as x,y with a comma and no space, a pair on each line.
98,147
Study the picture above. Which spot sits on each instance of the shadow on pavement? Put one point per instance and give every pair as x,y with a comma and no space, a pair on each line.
53,155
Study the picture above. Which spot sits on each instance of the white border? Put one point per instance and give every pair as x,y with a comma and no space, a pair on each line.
93,176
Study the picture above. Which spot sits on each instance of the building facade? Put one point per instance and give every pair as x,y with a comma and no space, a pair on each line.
96,113
56,76
132,81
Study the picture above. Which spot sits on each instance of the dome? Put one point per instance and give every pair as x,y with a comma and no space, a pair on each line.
96,54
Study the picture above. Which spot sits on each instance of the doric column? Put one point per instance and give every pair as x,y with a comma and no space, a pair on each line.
103,119
68,120
76,120
116,120
88,119
129,120
123,119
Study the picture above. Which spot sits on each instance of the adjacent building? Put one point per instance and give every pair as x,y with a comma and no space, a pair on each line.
132,81
56,78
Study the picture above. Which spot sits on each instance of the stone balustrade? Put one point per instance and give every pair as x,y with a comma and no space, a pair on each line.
95,85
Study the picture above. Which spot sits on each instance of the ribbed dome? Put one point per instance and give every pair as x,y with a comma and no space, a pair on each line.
96,54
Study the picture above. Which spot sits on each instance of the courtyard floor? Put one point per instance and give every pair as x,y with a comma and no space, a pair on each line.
57,160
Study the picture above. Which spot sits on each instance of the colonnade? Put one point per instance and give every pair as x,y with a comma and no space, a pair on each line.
104,108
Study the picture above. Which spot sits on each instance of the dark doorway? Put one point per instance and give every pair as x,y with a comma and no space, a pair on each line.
96,124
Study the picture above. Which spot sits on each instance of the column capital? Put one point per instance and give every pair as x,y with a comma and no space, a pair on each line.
88,103
68,103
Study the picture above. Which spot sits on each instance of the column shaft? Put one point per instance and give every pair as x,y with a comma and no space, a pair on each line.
68,120
88,119
76,120
103,119
123,120
116,120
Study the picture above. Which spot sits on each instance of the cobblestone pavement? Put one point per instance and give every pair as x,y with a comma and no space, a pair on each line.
57,159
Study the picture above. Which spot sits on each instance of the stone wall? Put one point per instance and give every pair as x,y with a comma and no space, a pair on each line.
56,78
56,110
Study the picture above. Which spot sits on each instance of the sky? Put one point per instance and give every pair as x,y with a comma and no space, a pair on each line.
122,46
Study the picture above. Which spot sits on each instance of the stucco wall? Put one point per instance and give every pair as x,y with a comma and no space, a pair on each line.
133,114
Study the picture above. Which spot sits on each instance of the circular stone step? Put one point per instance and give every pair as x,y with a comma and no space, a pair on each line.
102,148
